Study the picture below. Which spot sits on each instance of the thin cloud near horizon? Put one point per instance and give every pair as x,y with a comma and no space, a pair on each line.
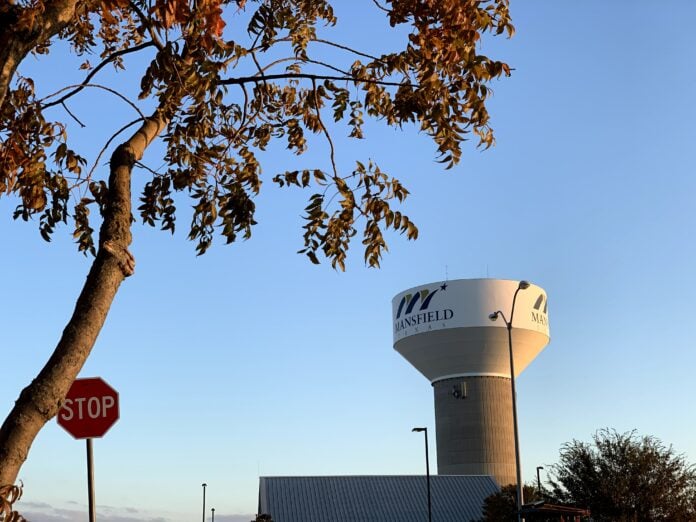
44,512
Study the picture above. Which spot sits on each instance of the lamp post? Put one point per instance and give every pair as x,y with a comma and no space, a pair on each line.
427,470
212,518
204,486
523,285
539,480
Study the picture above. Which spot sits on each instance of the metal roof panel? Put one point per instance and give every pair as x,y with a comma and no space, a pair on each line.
374,498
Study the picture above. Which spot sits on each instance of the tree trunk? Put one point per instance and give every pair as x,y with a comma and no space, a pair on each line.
17,40
40,401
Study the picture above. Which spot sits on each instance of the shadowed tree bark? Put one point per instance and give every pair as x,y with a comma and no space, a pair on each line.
40,401
22,31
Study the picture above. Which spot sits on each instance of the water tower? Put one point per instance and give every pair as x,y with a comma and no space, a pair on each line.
444,330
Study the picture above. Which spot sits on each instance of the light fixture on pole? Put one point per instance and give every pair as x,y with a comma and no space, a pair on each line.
204,486
427,469
539,480
523,285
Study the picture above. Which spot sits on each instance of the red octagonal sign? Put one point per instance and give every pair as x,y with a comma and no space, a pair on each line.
89,409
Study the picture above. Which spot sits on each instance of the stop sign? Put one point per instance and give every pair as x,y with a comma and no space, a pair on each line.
90,408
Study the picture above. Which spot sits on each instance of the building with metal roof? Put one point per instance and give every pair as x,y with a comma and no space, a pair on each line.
375,498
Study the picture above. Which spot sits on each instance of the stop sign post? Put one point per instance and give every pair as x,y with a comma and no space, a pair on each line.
89,410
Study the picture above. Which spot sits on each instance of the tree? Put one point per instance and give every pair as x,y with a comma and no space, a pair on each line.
624,477
226,79
502,505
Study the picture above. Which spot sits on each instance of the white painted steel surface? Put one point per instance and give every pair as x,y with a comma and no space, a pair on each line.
444,328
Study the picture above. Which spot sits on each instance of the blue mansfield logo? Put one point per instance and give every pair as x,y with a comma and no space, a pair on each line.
414,309
539,315
411,300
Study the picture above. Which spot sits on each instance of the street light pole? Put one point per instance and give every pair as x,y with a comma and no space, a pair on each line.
212,519
427,470
539,480
523,285
204,486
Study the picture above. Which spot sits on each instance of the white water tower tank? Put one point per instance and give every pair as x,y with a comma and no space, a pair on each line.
444,330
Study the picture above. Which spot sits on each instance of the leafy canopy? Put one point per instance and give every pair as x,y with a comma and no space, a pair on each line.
502,505
625,477
228,78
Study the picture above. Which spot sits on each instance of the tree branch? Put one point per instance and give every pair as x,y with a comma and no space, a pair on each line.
287,76
72,115
349,49
85,82
381,6
41,400
258,65
108,142
243,121
328,66
146,22
325,42
16,42
326,131
95,86
262,70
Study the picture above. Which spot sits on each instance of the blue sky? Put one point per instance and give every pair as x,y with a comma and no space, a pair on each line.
250,360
